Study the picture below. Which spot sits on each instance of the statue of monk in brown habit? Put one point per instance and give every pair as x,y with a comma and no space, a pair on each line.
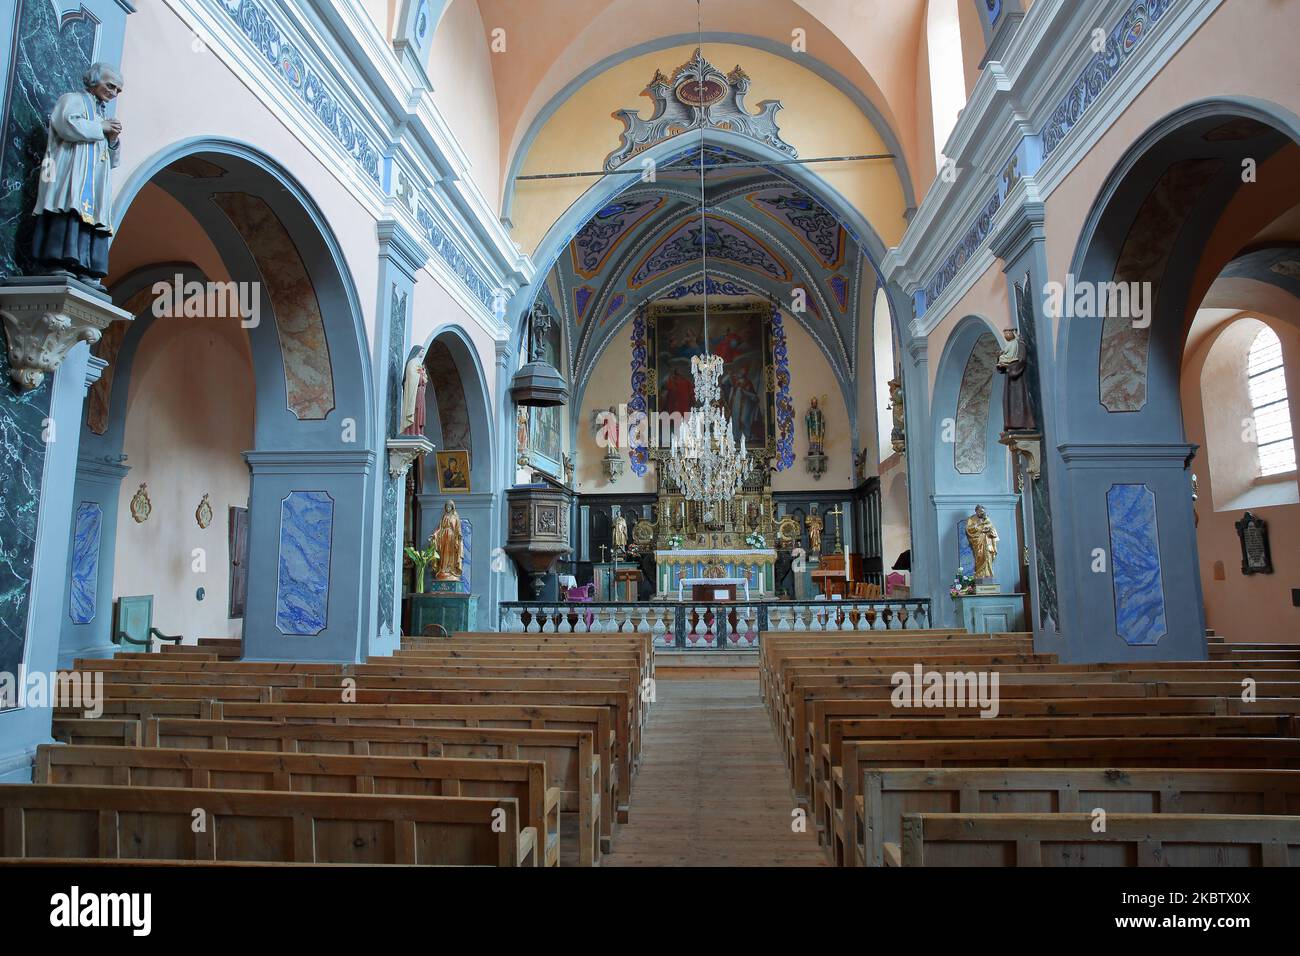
1017,413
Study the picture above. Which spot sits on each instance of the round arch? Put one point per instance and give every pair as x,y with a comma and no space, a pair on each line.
869,109
1161,225
312,464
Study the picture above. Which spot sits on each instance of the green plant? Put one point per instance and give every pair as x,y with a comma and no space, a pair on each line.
421,560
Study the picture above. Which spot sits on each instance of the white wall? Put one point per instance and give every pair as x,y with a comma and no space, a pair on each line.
189,419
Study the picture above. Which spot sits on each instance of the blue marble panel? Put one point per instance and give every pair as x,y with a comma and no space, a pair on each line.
85,562
965,556
1135,564
306,533
467,533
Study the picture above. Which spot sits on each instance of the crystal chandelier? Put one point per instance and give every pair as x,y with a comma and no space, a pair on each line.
704,461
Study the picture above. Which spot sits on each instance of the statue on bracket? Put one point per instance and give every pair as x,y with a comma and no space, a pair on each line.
1017,413
815,421
74,203
414,382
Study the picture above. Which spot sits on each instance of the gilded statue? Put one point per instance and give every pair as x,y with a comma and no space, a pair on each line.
449,544
983,538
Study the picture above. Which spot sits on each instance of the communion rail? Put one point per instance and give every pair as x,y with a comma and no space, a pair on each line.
690,625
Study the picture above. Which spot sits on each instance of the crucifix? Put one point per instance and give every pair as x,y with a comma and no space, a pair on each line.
603,549
835,513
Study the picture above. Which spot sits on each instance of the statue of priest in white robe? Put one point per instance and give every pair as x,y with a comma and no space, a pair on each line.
74,204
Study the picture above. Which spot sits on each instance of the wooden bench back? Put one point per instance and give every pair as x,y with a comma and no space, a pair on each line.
156,823
523,780
1069,839
888,794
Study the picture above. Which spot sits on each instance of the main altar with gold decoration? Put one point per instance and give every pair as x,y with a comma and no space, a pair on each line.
695,543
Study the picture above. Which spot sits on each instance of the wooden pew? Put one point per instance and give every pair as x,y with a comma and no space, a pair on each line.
568,755
821,712
525,781
1068,839
616,703
888,794
1126,752
853,743
55,820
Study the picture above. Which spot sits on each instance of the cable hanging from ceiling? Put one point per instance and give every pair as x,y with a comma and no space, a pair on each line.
705,462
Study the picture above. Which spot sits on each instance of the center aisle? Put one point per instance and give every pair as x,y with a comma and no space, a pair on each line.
711,790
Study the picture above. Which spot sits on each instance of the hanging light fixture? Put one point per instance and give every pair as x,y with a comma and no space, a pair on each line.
705,462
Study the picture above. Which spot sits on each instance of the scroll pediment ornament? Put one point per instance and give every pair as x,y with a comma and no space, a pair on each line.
698,95
44,317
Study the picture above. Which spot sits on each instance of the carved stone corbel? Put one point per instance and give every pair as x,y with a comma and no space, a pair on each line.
1028,446
44,319
404,450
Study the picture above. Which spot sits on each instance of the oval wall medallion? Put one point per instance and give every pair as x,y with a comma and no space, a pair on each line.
141,505
203,513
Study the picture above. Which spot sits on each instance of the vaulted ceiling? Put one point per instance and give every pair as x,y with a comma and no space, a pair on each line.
765,236
545,53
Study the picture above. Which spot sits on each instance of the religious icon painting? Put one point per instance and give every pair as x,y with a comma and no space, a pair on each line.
203,513
453,471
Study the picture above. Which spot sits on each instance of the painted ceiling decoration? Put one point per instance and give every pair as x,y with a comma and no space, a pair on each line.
698,96
808,219
724,240
592,247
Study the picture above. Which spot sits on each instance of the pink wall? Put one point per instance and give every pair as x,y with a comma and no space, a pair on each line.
1239,606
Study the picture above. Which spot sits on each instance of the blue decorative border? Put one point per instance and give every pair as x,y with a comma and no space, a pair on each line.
450,253
305,80
1124,38
972,240
784,404
639,455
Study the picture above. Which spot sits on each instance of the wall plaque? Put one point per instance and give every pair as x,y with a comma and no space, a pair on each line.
1255,555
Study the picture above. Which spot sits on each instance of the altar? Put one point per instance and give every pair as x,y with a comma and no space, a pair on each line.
750,569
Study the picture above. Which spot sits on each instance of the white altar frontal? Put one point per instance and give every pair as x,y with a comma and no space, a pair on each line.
750,569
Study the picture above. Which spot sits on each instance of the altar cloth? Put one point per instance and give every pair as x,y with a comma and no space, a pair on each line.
684,583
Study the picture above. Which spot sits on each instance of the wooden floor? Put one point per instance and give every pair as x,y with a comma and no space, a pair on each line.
712,787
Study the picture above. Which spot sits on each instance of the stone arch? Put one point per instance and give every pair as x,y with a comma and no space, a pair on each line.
970,466
915,382
477,508
315,446
1158,221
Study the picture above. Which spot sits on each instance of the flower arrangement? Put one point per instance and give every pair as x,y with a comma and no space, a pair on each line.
755,540
421,560
674,541
962,583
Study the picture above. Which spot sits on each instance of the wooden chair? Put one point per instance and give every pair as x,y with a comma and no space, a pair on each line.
133,623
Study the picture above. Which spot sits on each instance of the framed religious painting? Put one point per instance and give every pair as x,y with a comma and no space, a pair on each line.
741,335
453,471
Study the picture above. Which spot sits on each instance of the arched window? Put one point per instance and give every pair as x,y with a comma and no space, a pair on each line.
1268,401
